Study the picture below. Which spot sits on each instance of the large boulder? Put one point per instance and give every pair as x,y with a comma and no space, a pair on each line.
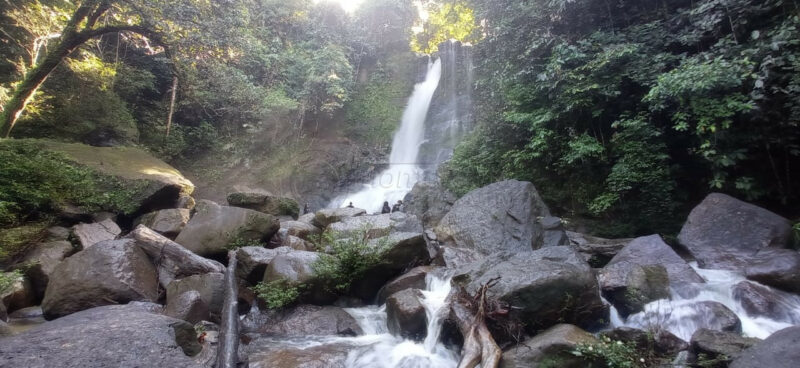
723,232
302,321
630,289
265,353
643,251
779,268
777,351
150,183
210,286
376,226
553,233
413,279
266,203
169,222
553,347
405,314
89,234
188,306
214,228
40,262
546,287
718,345
109,272
454,257
402,250
253,261
597,251
296,266
498,217
111,336
327,216
761,301
429,202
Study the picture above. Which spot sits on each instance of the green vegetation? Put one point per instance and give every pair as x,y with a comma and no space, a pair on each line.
14,240
614,354
279,293
446,20
8,279
629,113
377,107
346,259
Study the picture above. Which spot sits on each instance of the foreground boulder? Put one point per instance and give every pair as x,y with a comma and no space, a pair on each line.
546,287
327,216
402,250
265,353
718,345
169,222
777,351
89,234
253,261
40,262
110,336
301,321
295,266
413,279
405,314
723,232
759,300
429,202
214,228
188,306
630,289
553,346
109,272
779,268
266,203
209,286
498,217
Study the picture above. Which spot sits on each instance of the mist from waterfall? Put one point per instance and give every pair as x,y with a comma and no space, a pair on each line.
404,170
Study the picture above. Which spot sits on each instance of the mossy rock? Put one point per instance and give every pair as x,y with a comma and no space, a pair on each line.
14,241
266,203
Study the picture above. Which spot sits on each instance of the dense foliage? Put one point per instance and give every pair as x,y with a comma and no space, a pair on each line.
629,112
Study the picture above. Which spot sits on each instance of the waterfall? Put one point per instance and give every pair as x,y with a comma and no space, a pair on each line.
403,172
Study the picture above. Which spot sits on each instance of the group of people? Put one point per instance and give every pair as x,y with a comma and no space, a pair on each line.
397,207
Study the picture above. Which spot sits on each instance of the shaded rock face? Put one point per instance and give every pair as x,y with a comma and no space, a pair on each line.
42,260
597,251
327,216
546,286
413,279
777,351
188,306
453,257
552,346
303,320
108,272
87,339
630,289
498,217
210,287
662,341
429,202
168,222
553,231
89,234
214,227
779,268
759,300
266,353
20,294
648,250
403,251
406,315
716,344
253,261
266,203
723,232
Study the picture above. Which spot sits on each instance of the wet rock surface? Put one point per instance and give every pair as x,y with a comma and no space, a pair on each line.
406,314
302,320
777,351
551,346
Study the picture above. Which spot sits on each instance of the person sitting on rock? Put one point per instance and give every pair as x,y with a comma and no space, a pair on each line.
386,208
350,205
397,206
305,208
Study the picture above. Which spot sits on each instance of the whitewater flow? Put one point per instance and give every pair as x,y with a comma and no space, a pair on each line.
680,316
404,170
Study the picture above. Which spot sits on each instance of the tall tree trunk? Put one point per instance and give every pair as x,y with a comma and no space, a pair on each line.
172,103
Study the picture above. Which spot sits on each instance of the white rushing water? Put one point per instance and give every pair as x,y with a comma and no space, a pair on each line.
380,349
680,316
403,172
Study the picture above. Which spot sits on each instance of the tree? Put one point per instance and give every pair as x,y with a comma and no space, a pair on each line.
447,20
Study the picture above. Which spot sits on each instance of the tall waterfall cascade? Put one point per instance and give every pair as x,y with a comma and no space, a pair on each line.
437,116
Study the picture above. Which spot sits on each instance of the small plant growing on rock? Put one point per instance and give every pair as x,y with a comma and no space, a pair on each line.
346,260
8,279
615,354
278,293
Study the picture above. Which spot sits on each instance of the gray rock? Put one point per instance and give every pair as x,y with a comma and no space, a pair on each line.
210,286
168,222
779,350
307,218
90,234
253,261
267,353
296,243
629,289
413,279
402,251
723,232
5,329
106,273
188,306
499,217
718,344
110,336
660,340
301,229
779,268
18,295
453,258
375,226
552,346
546,287
648,250
185,202
429,202
302,321
295,267
40,262
759,300
597,251
215,227
327,216
56,233
266,203
405,314
553,232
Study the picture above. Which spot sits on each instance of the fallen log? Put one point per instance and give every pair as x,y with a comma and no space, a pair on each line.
228,351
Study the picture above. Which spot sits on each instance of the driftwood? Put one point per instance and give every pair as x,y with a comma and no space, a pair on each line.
227,353
172,260
470,312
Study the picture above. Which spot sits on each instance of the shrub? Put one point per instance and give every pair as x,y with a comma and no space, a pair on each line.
278,293
346,260
615,354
